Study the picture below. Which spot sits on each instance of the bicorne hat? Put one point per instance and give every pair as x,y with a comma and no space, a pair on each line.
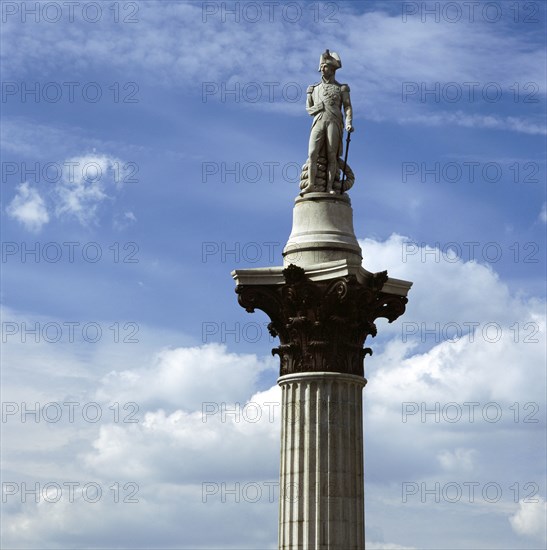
330,59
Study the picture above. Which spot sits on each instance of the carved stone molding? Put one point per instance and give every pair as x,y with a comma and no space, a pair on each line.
322,325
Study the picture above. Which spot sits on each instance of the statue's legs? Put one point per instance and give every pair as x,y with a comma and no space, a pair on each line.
317,138
333,135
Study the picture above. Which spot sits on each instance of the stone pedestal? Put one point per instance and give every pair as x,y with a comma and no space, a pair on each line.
322,231
321,479
322,305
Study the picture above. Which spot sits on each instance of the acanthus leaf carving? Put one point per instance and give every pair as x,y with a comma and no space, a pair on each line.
322,325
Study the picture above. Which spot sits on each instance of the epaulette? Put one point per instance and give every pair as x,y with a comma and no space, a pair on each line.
344,88
311,87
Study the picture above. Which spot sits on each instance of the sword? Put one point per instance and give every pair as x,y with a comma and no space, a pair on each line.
348,139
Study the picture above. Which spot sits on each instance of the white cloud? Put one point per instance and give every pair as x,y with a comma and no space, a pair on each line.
464,370
449,444
458,459
28,208
531,519
186,377
379,51
543,213
169,455
85,184
459,118
201,446
448,290
22,137
125,220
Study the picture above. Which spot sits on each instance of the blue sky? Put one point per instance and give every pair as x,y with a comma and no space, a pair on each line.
176,183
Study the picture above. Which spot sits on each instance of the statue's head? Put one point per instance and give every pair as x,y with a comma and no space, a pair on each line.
329,63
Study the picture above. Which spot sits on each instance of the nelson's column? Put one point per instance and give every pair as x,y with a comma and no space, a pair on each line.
322,305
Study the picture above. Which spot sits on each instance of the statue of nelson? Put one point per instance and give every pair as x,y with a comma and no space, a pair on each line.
325,101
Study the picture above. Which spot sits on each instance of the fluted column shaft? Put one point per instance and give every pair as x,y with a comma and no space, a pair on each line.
321,475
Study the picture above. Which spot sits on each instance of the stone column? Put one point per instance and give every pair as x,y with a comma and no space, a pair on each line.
322,305
321,475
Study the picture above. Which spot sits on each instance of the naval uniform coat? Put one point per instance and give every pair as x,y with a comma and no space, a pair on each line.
325,102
